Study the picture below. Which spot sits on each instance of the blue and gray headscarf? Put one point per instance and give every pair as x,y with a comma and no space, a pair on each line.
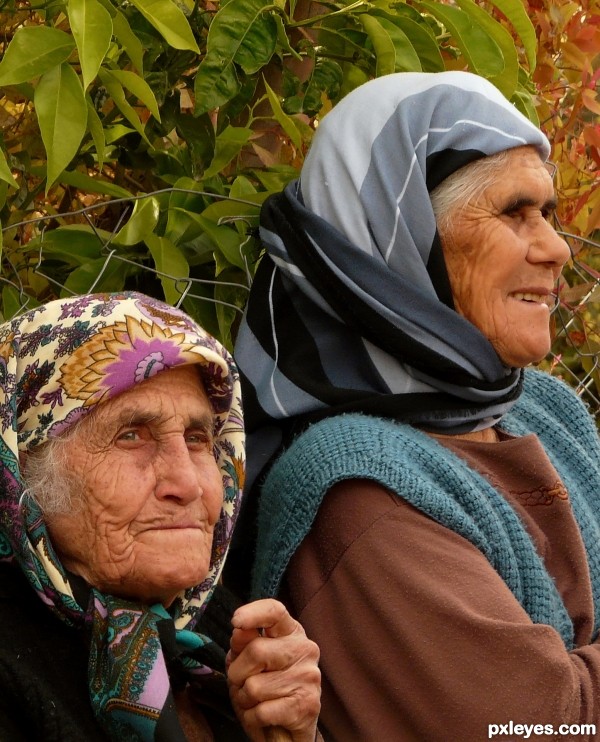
351,308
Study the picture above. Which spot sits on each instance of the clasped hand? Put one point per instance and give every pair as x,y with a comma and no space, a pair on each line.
273,674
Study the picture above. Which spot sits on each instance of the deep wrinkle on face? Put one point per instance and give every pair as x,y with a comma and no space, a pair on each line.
503,259
151,491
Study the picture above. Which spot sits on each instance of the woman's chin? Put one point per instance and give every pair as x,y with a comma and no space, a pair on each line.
525,356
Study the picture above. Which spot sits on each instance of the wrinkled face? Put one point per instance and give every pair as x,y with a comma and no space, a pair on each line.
151,491
503,259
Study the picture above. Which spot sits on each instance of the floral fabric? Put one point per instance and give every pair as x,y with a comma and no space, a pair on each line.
57,362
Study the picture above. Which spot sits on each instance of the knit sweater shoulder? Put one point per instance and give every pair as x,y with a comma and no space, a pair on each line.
440,484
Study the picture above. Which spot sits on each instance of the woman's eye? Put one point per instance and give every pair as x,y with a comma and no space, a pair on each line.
514,214
201,438
128,435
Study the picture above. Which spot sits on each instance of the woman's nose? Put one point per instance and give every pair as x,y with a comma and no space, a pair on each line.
177,476
548,246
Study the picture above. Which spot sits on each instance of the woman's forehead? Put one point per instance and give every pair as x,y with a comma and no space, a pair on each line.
176,392
524,178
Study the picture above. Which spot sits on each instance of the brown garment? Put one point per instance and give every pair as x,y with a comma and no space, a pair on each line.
421,640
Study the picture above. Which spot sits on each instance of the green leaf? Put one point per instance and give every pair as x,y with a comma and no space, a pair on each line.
13,302
516,12
482,53
104,274
422,40
96,129
169,21
214,85
116,92
326,77
140,88
91,26
506,82
406,57
129,41
383,46
226,294
201,308
283,39
524,103
5,173
242,187
199,135
62,115
116,132
285,121
84,182
275,179
33,51
72,244
227,146
3,193
240,33
168,260
226,240
353,77
180,204
228,208
141,223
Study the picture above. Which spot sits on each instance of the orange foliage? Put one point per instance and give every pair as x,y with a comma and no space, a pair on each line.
567,80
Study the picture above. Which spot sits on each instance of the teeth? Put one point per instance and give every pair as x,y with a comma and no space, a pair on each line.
539,298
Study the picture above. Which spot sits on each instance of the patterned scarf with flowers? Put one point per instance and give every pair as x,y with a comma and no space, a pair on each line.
57,362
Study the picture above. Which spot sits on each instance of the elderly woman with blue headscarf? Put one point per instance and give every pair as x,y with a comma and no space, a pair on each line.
121,467
432,515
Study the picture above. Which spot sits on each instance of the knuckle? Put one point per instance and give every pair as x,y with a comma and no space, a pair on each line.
252,688
312,650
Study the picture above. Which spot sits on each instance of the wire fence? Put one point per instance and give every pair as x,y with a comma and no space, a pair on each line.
575,354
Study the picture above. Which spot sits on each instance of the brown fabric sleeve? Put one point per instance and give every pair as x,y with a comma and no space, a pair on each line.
420,638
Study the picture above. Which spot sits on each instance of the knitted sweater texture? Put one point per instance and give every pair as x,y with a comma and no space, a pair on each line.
440,484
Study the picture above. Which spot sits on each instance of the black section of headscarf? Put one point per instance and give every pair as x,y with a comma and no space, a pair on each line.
436,268
442,164
279,215
293,223
210,654
209,691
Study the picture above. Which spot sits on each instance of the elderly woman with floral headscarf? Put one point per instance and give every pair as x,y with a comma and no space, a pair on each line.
121,467
434,518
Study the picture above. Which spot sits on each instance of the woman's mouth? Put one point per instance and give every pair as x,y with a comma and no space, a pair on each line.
531,297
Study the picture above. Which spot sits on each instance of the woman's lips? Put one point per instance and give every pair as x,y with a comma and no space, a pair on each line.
535,297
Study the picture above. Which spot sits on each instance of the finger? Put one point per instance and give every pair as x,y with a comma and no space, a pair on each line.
296,714
241,638
304,678
273,657
267,614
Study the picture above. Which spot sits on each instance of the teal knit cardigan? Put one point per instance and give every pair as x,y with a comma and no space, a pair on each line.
440,484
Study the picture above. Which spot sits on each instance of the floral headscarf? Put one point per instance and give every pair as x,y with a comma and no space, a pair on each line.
57,362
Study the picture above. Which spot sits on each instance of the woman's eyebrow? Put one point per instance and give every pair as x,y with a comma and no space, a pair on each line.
205,421
521,202
134,417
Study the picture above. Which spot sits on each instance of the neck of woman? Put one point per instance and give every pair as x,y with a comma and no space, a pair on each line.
487,435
